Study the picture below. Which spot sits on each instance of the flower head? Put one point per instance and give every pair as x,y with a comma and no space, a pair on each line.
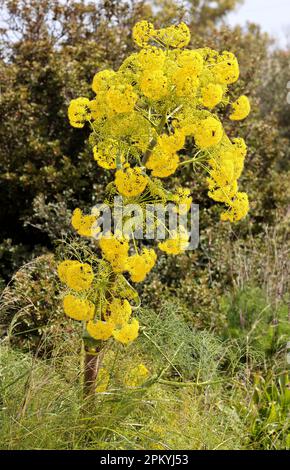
100,330
79,112
83,223
78,276
176,243
153,84
140,265
174,36
241,108
130,182
118,312
142,32
127,333
115,250
208,132
227,69
238,208
77,308
211,95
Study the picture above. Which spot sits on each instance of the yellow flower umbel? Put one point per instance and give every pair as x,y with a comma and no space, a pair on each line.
102,81
241,109
79,112
192,61
153,84
83,223
238,208
174,36
100,330
140,265
63,267
78,309
162,163
127,333
136,376
106,157
176,243
227,69
171,142
115,250
142,32
185,84
183,200
211,95
208,133
77,276
121,99
118,312
151,58
130,182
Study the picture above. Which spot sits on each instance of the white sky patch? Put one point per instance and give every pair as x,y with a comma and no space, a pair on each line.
272,15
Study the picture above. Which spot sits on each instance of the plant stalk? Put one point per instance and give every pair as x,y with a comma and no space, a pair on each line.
92,364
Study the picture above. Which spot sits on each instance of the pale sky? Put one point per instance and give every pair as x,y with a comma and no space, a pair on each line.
272,15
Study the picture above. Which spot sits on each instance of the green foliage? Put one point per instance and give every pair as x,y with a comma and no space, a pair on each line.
30,306
257,323
190,352
43,398
267,413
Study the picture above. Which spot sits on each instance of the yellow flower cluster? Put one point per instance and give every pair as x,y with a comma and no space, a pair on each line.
140,265
136,376
142,32
153,84
78,276
174,36
176,243
163,100
162,163
208,133
164,160
77,308
116,323
239,208
211,95
118,312
130,182
183,200
226,68
127,333
106,156
83,224
226,167
79,112
115,249
241,108
121,99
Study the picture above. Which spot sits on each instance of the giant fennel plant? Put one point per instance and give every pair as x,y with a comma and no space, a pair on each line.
141,118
